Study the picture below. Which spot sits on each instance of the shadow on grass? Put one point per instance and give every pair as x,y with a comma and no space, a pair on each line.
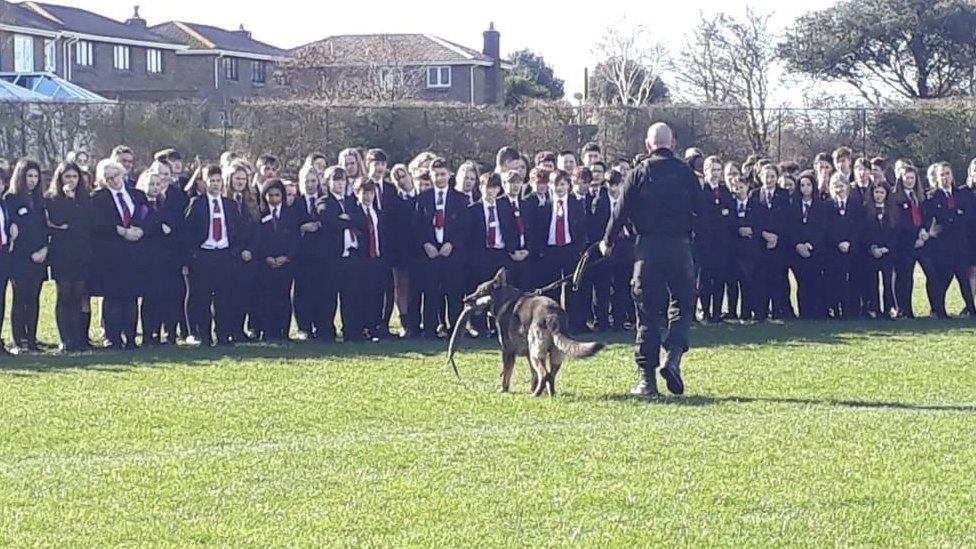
709,400
703,337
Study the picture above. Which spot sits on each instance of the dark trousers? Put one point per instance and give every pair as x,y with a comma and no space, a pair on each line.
809,287
120,315
275,301
181,327
416,296
4,278
840,291
67,313
330,301
880,303
211,295
26,308
905,279
162,304
443,283
373,277
711,282
771,277
485,266
663,271
942,272
349,287
741,288
613,304
557,262
387,299
310,296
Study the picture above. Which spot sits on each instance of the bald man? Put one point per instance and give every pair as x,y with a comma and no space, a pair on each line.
659,201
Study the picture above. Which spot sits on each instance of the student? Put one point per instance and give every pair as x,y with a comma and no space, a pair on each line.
373,271
744,296
117,249
442,230
266,168
591,154
843,219
537,193
7,233
212,229
466,182
613,307
566,161
26,207
599,172
245,315
172,203
493,240
512,207
545,160
969,191
310,261
69,218
342,247
713,239
80,159
824,170
124,156
160,263
561,236
911,240
878,246
806,249
275,242
771,294
947,213
842,164
351,161
384,196
402,256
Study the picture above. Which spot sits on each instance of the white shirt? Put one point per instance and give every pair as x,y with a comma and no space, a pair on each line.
211,243
349,241
741,207
310,200
499,243
128,202
369,211
554,216
439,232
3,227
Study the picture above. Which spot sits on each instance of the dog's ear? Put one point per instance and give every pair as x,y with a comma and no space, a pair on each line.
501,278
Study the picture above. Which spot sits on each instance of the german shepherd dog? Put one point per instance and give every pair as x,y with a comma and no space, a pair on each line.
530,326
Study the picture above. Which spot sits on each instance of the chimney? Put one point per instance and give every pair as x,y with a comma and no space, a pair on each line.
242,32
135,20
492,43
493,76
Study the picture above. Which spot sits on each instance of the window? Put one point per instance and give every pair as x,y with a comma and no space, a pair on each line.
23,53
50,56
154,61
439,77
84,54
230,68
121,58
259,72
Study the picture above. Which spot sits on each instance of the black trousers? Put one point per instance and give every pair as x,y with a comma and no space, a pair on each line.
26,307
211,295
809,286
67,312
663,271
905,262
712,278
4,278
387,299
880,303
840,289
741,287
373,278
120,315
613,304
350,289
484,267
275,301
414,318
310,296
772,285
942,272
555,263
443,282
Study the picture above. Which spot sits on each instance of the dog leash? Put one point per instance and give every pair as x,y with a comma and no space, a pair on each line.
576,277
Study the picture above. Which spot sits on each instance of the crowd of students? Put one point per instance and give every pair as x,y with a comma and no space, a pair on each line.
234,253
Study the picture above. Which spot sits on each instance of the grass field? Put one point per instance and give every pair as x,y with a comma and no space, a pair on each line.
807,434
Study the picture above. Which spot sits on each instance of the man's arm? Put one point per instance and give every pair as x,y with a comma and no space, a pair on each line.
628,196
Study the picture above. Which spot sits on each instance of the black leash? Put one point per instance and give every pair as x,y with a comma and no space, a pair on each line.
576,277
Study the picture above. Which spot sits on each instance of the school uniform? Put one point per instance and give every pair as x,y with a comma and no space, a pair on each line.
562,237
245,314
909,223
442,218
403,257
174,206
950,249
493,240
713,239
374,272
613,305
6,262
879,232
117,261
276,236
583,296
518,213
843,220
806,220
213,226
161,265
27,276
743,294
309,271
342,278
772,285
70,257
386,200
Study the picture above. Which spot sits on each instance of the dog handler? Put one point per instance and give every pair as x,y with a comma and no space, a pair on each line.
658,201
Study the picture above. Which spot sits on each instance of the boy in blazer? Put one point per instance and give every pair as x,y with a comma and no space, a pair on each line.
561,239
493,240
370,224
518,212
341,243
613,306
275,243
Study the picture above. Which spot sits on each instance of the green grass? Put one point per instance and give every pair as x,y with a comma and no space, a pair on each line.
806,434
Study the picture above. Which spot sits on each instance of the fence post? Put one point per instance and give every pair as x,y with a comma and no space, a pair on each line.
779,134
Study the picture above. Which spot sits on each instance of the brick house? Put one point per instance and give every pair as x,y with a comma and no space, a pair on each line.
399,66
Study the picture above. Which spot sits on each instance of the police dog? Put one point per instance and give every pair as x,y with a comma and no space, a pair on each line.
530,326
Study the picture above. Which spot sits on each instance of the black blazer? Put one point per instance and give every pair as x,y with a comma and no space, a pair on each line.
577,223
843,228
715,220
879,232
806,229
309,244
457,225
907,230
70,253
276,239
332,226
118,262
506,209
753,217
479,230
198,224
31,221
774,220
360,227
953,240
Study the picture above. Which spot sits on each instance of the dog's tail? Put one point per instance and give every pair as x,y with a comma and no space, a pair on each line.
568,345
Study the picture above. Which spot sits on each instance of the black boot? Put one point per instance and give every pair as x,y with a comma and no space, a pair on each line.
646,383
671,372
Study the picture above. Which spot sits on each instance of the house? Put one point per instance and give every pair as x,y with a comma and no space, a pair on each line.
222,64
399,66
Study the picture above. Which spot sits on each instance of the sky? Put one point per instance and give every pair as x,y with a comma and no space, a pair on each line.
562,33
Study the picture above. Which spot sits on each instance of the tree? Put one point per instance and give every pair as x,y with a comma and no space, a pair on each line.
730,61
530,78
630,67
915,49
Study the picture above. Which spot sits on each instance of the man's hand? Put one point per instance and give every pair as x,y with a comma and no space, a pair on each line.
605,248
246,255
309,227
745,232
166,229
844,247
40,255
519,256
446,249
430,250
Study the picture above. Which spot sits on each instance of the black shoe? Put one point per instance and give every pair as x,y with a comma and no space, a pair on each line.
646,384
671,372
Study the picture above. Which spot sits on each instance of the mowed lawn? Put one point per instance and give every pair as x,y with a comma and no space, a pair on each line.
803,434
